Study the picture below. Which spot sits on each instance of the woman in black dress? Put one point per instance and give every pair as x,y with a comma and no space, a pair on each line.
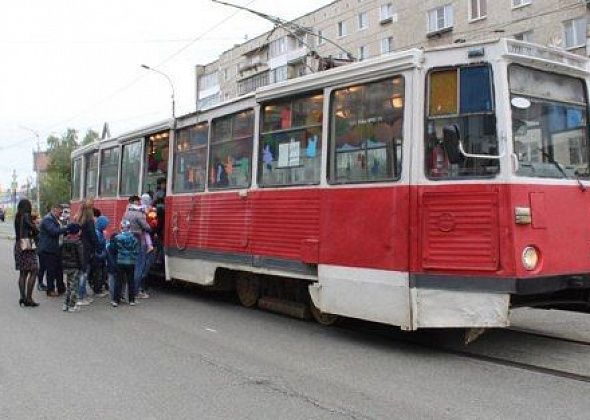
25,259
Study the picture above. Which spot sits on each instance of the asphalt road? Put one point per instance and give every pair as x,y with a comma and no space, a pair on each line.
188,355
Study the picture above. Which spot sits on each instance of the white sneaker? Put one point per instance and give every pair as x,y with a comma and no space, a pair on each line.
102,294
83,302
89,300
114,304
133,303
142,295
74,309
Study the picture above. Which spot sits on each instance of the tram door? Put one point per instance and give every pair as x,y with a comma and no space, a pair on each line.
156,162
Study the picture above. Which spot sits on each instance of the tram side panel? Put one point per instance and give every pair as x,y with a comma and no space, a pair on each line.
462,264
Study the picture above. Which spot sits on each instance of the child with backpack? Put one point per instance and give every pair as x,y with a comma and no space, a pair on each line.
127,249
99,261
72,259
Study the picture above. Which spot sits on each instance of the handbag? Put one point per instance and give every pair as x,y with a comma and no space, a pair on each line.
26,244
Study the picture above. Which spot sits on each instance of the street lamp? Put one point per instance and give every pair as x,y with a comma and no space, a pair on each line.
171,86
36,166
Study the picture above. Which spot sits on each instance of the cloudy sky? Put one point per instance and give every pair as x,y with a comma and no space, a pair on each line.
76,64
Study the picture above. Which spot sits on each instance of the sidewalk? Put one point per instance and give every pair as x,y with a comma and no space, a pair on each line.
7,229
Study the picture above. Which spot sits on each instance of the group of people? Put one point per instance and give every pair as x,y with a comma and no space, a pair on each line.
79,250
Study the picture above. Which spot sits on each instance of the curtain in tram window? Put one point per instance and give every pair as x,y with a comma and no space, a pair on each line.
476,90
443,92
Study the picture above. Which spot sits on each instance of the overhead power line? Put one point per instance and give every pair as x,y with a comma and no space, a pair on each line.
137,79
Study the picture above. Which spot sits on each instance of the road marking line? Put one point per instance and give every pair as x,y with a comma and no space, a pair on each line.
210,330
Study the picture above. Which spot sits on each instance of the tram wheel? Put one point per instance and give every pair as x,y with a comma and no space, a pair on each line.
322,318
248,289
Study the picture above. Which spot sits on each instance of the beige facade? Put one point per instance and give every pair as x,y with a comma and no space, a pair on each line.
368,28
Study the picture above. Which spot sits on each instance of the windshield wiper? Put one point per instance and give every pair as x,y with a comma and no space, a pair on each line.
554,162
560,168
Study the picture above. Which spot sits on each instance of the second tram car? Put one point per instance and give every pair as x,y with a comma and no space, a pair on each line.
422,189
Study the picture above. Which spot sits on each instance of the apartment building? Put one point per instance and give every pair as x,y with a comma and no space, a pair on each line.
348,30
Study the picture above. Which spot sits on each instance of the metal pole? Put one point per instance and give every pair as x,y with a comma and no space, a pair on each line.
171,87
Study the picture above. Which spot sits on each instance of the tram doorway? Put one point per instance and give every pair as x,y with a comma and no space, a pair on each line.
156,162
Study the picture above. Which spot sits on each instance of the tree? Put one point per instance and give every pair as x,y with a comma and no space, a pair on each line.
90,137
55,185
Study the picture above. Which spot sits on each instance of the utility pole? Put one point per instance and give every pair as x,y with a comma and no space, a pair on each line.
14,186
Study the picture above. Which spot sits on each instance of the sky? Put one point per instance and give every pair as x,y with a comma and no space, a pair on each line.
77,64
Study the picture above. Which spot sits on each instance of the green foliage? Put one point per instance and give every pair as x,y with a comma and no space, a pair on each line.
90,137
55,185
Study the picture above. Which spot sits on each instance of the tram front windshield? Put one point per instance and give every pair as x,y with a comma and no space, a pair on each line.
549,123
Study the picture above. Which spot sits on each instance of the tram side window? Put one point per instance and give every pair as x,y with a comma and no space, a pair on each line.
366,132
290,146
109,172
91,174
76,172
190,159
461,109
130,168
231,151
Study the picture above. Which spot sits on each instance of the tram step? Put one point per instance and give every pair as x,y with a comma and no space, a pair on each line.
285,307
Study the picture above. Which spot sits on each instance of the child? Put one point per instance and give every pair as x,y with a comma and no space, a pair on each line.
146,208
99,261
127,248
72,259
111,260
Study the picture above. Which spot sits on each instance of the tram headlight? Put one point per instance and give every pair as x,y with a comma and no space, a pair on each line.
530,258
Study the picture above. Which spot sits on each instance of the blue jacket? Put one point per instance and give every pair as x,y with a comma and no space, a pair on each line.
112,255
49,235
127,248
101,250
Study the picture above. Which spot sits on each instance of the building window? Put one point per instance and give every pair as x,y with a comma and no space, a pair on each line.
363,53
363,20
252,83
231,151
279,74
440,18
290,142
278,47
575,32
130,169
321,40
190,159
386,45
478,9
91,175
109,172
207,81
386,12
520,3
366,132
342,29
526,36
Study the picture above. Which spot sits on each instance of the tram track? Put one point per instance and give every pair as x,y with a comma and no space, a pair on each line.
449,343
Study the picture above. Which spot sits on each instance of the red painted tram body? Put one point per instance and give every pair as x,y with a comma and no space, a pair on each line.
421,189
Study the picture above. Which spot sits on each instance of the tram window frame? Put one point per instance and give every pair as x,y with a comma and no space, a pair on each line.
89,157
111,192
191,149
232,140
397,146
292,171
126,193
488,124
76,177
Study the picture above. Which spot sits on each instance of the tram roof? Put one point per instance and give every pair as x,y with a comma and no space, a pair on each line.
125,137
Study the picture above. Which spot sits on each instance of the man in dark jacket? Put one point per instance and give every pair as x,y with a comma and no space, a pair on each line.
49,251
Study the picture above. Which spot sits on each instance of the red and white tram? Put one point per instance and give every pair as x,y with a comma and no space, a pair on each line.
422,189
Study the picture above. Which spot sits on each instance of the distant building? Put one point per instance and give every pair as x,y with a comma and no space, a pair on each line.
369,28
40,162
